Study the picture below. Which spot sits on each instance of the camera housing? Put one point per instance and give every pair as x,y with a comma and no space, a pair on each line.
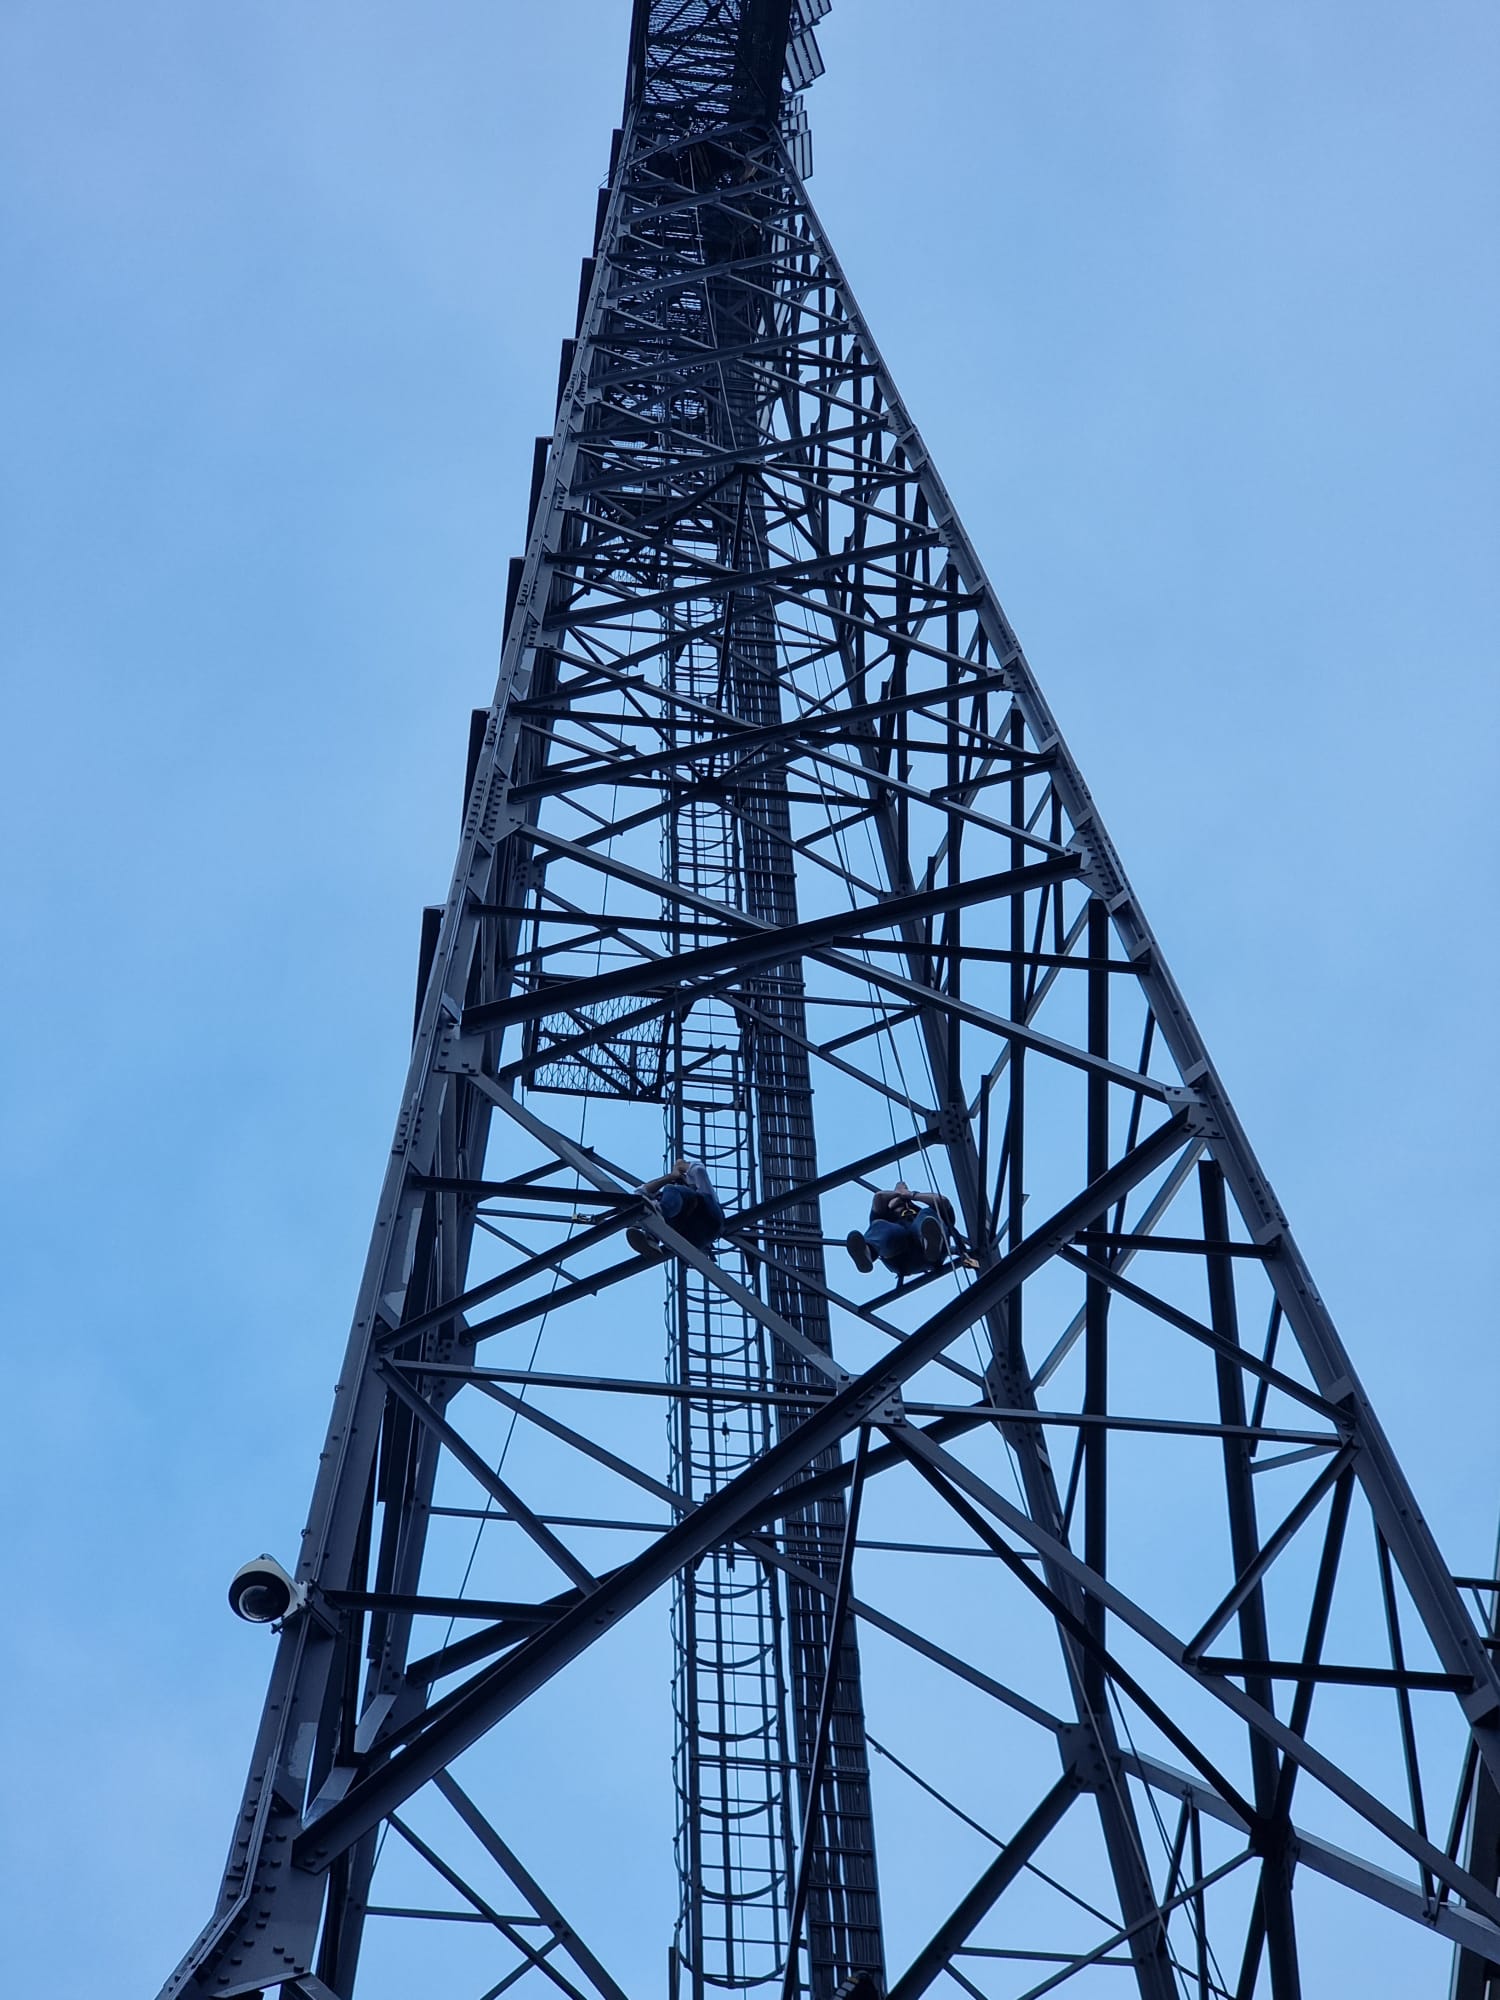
262,1592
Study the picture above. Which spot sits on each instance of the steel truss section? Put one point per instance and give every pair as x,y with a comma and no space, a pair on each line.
1080,1564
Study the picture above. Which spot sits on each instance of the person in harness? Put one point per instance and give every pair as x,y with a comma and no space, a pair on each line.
685,1198
908,1231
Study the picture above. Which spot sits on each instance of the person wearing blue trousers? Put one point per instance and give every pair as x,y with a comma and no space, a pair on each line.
686,1199
907,1230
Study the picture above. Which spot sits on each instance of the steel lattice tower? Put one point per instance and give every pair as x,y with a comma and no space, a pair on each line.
773,853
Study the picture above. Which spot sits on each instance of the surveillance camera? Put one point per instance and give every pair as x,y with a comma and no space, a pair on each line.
261,1592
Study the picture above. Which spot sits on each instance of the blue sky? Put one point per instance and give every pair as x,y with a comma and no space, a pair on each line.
1196,306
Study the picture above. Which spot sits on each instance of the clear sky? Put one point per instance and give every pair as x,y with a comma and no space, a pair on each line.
1196,304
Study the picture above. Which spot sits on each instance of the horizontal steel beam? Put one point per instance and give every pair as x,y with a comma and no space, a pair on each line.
763,944
743,739
1337,1676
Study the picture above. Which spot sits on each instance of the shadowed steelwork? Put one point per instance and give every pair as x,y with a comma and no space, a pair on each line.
1069,1559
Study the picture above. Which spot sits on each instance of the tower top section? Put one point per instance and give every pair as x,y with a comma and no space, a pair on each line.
699,65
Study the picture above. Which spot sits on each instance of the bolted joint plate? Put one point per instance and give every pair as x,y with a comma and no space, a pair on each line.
1083,1758
1201,1122
458,1054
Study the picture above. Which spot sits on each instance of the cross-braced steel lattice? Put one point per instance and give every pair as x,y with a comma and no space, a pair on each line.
1070,1575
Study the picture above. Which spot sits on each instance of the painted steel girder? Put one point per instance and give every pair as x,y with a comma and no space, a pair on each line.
1041,1064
